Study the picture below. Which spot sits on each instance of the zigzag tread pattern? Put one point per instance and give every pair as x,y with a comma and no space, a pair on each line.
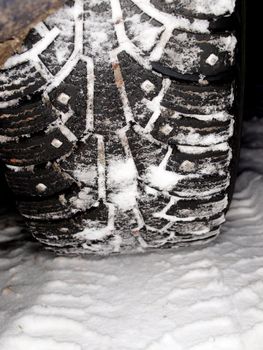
114,137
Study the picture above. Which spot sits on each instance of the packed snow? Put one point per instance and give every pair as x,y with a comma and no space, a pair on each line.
206,298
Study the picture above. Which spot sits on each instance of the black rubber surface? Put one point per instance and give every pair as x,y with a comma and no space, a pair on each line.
117,128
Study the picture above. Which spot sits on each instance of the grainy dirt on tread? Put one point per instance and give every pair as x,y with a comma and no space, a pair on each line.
117,123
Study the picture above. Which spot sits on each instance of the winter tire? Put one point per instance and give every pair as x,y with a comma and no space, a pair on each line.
120,124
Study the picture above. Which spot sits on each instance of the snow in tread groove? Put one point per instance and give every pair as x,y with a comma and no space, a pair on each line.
208,298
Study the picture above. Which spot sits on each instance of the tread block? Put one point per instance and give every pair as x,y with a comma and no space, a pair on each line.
199,54
199,208
198,99
213,162
195,130
81,164
62,206
141,29
25,183
188,171
140,91
70,99
17,82
196,8
36,150
62,232
27,118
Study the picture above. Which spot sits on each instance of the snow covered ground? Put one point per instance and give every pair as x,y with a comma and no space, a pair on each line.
209,298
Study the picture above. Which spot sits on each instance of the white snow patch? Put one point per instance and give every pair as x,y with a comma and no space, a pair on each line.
199,149
184,61
98,36
171,21
228,44
161,178
94,230
144,33
215,7
95,233
194,138
64,20
84,199
220,116
122,181
86,174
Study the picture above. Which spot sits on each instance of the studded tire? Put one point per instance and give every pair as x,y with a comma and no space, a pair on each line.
120,125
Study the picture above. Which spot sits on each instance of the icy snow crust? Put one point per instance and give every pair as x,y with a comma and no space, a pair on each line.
208,298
